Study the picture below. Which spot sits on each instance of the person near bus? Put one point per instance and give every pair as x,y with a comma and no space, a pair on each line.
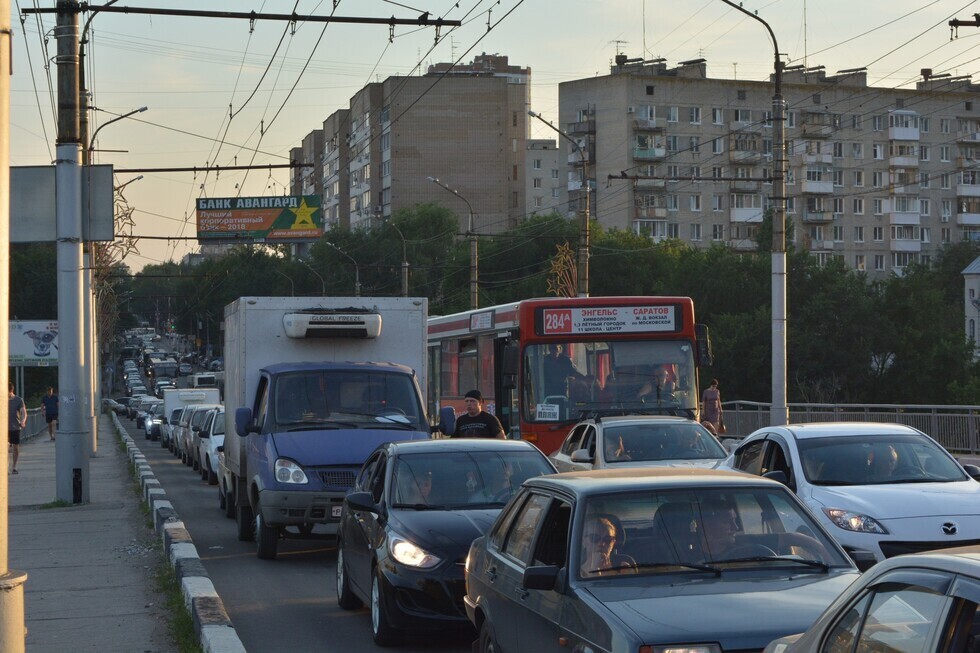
476,422
711,407
558,368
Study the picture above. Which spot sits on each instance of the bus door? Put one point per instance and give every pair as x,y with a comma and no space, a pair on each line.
507,409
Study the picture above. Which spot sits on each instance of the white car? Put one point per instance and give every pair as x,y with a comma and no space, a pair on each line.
637,441
209,438
886,489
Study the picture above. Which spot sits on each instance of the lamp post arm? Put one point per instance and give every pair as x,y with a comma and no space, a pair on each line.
109,122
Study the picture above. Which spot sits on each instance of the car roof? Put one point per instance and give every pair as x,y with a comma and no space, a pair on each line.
648,478
637,419
451,445
842,429
961,560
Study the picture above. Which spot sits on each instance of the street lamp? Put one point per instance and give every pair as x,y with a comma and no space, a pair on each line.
357,268
323,285
779,411
91,144
583,239
404,258
292,288
474,250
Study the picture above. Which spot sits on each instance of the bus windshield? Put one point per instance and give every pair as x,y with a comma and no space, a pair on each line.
561,381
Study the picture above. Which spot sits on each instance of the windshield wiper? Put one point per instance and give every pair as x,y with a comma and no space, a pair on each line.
421,506
823,566
684,565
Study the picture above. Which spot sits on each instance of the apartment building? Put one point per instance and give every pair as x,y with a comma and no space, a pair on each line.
542,191
880,177
465,126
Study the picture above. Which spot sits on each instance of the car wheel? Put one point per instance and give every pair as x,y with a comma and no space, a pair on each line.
266,538
222,500
381,629
212,476
229,504
245,523
487,641
345,597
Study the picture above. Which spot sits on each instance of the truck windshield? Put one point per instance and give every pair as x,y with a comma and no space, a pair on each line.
563,380
345,397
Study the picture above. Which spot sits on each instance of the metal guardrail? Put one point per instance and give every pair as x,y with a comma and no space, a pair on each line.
954,427
35,423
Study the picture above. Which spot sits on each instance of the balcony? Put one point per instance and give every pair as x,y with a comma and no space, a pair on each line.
582,127
903,133
648,124
904,218
910,161
651,184
967,137
818,217
811,130
746,126
967,190
967,162
649,153
818,159
650,213
578,157
746,215
745,186
968,219
745,156
820,187
906,246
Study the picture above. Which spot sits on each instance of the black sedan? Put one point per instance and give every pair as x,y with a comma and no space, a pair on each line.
407,525
693,560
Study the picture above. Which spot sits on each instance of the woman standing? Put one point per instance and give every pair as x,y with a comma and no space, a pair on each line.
711,408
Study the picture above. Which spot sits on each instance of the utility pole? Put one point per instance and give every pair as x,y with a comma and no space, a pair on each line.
474,247
11,582
72,447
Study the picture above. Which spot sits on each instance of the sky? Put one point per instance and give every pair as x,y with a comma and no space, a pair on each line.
222,91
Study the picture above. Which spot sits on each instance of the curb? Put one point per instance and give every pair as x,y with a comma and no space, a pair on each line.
211,622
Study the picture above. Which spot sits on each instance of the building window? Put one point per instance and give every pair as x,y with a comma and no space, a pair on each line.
876,123
695,231
877,179
859,178
923,153
717,172
695,203
923,180
538,202
671,114
537,182
838,233
858,206
671,143
879,262
649,89
537,164
859,262
856,121
946,234
947,210
790,119
878,234
717,145
944,125
717,203
838,150
672,202
924,207
944,181
838,206
857,150
877,151
944,153
858,234
925,235
717,232
878,206
838,177
743,115
694,114
924,125
717,116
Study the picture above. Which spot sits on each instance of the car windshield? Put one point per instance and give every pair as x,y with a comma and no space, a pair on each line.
319,398
876,460
715,530
626,443
460,480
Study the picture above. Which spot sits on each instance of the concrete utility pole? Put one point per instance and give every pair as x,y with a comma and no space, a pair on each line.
779,411
72,448
584,244
12,638
474,247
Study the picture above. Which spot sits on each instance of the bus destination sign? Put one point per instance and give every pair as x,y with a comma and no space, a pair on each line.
608,319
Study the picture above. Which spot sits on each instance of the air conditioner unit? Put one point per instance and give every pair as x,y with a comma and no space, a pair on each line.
630,109
341,323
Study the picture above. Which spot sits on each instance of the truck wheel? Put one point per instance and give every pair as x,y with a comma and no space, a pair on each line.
487,643
266,538
381,629
345,597
229,503
222,501
245,522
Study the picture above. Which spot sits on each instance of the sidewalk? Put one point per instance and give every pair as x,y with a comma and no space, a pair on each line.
90,584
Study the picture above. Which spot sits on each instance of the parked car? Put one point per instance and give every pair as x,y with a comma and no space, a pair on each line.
649,559
134,404
886,489
922,603
415,508
167,429
637,441
210,437
118,406
191,435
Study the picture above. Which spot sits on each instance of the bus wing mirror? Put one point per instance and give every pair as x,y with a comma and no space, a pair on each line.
511,363
705,357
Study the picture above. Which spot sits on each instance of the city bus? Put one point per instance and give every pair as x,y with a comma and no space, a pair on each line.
544,364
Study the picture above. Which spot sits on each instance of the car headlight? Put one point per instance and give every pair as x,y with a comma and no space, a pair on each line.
854,521
289,472
410,554
682,648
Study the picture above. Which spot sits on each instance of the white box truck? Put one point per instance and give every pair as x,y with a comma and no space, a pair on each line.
175,399
312,386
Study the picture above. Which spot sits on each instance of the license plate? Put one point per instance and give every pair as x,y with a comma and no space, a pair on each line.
335,511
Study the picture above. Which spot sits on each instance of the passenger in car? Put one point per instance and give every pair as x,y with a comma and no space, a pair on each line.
882,461
599,556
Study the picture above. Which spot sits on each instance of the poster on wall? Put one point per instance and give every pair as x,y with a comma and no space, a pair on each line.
33,343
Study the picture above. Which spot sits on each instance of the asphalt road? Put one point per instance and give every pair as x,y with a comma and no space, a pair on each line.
284,604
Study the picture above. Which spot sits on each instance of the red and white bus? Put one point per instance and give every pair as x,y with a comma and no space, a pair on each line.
622,354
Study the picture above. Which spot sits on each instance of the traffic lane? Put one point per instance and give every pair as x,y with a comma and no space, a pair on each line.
274,604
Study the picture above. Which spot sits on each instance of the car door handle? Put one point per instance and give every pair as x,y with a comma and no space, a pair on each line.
491,573
522,593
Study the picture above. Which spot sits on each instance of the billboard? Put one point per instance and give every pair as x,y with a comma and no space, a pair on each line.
32,204
33,343
288,218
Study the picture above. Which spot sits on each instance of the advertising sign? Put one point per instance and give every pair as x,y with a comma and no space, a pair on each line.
33,343
607,319
290,218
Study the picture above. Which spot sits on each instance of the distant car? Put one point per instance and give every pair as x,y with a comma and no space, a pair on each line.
923,603
115,405
151,423
644,560
210,437
886,489
637,441
167,429
414,509
217,365
162,385
190,450
185,369
144,409
132,408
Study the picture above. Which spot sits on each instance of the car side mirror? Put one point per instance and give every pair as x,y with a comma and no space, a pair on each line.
540,578
973,471
220,448
777,475
447,420
163,420
362,501
243,421
581,456
864,560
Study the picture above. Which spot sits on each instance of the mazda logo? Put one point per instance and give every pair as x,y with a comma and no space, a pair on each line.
949,528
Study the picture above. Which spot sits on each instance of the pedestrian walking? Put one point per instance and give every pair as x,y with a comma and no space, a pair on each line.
49,404
711,409
16,421
476,422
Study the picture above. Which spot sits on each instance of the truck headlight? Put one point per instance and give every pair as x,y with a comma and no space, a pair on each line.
289,472
408,553
855,521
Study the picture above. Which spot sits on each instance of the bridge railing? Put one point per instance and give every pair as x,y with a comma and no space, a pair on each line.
954,427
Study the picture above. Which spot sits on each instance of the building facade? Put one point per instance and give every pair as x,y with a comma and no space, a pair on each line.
542,190
878,177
